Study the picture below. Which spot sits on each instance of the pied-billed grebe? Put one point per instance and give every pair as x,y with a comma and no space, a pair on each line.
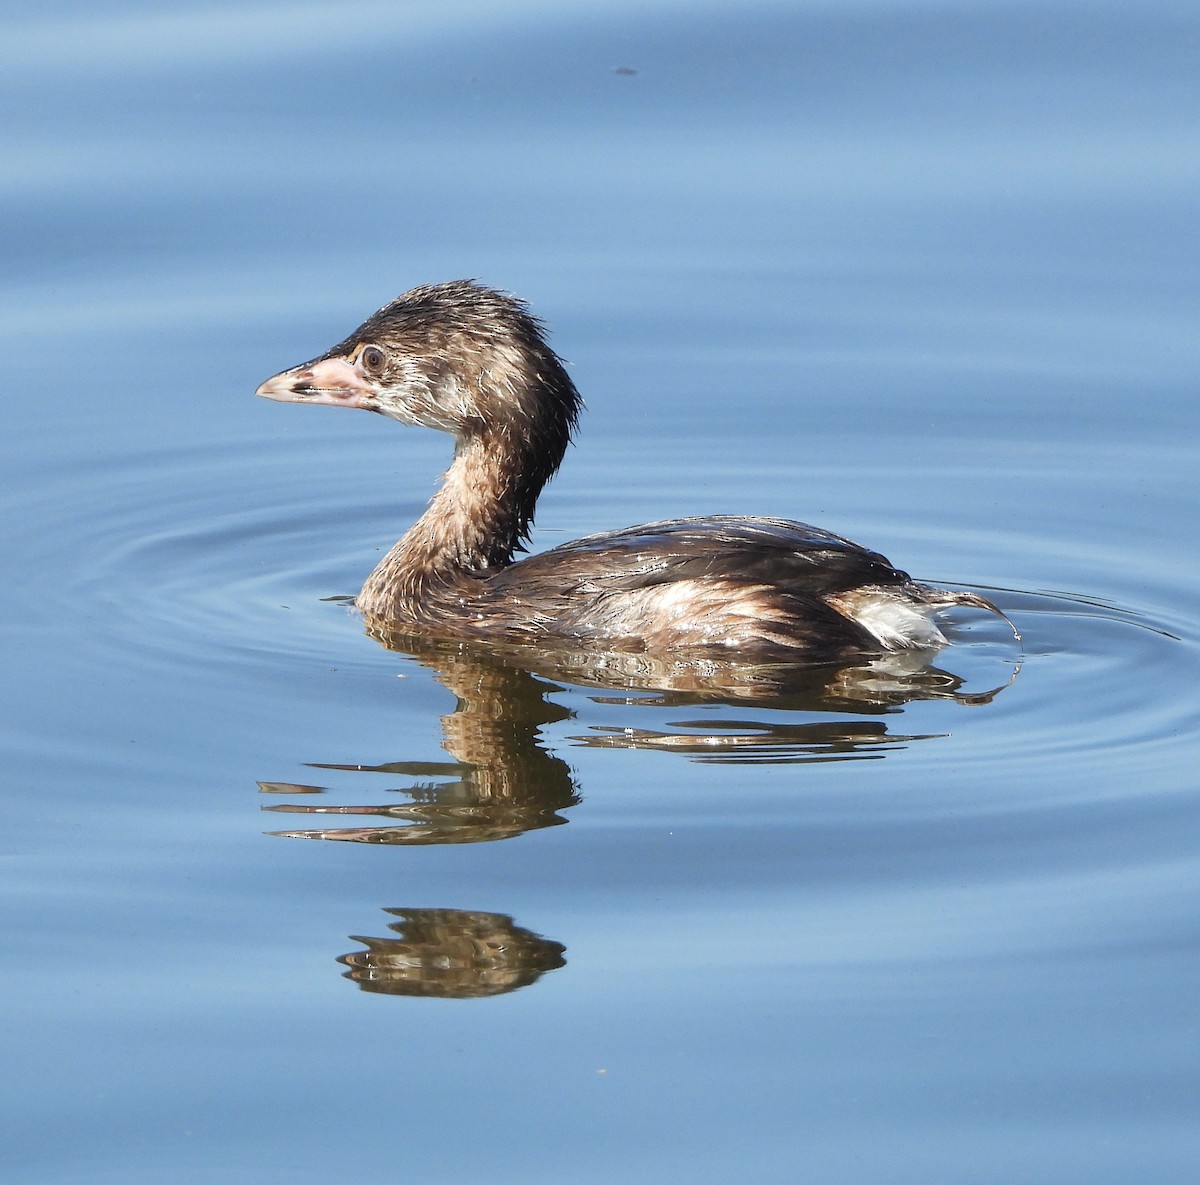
474,362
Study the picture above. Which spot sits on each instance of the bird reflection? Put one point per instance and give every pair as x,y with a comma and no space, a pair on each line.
451,953
502,781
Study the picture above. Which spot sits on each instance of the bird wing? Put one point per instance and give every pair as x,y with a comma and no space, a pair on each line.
790,556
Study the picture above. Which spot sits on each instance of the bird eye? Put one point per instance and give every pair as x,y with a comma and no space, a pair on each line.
372,359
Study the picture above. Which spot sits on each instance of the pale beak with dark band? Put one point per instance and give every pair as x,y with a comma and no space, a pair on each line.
337,382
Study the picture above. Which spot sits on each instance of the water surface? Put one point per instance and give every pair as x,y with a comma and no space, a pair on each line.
920,273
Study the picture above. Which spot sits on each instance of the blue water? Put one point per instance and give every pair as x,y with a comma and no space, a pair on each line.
924,274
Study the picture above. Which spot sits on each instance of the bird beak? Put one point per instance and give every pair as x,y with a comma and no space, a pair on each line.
337,382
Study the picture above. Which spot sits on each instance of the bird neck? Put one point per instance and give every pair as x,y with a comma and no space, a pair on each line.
482,511
474,523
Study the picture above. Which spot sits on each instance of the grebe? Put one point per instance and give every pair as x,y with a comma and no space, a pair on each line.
474,362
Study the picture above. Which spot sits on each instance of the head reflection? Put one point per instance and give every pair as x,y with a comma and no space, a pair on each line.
451,953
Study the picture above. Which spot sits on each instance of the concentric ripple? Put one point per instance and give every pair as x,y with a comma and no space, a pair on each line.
247,554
